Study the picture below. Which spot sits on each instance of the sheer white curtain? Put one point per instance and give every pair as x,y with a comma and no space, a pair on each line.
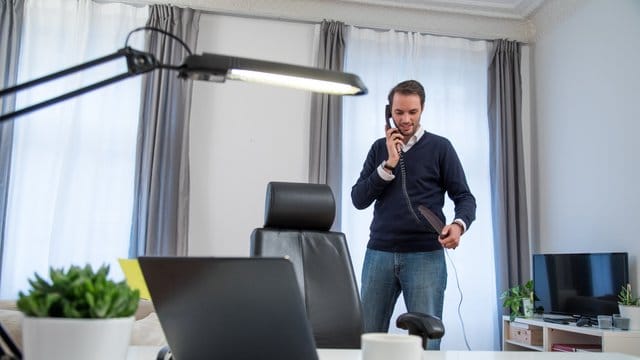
454,74
70,196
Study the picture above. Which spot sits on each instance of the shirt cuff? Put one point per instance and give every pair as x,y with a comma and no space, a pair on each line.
462,223
383,174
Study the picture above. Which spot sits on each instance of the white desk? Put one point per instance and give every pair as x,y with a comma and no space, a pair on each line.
150,353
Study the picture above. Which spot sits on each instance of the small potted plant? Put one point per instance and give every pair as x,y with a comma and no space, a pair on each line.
629,306
519,300
78,314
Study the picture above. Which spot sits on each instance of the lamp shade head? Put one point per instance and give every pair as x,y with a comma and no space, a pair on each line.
213,67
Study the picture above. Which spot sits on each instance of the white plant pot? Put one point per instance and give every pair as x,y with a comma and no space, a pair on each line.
76,339
527,308
633,313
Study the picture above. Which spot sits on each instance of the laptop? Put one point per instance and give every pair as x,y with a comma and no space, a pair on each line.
229,308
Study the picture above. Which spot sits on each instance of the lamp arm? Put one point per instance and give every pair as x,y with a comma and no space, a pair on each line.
138,62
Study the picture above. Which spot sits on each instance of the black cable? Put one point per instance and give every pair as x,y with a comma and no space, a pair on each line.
464,331
160,31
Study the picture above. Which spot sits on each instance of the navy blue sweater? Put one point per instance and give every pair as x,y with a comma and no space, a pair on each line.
432,168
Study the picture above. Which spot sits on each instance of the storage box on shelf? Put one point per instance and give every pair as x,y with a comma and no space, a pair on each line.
525,334
534,334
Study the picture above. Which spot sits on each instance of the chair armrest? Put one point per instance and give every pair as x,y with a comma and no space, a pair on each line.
423,325
165,353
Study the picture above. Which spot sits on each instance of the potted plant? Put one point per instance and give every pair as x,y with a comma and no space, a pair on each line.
629,306
78,314
519,300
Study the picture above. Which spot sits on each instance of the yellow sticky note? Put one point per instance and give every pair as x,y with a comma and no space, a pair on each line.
134,277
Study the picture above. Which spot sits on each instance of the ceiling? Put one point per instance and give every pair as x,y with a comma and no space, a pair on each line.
512,9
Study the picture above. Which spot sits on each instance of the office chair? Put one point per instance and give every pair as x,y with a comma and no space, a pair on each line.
298,217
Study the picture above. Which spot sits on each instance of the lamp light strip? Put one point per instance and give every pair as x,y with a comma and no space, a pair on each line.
322,86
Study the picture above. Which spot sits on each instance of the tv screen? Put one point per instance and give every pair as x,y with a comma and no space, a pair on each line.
579,284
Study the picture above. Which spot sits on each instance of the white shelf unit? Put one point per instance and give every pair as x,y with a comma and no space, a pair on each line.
611,340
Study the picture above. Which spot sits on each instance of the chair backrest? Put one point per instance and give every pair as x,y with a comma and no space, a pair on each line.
298,217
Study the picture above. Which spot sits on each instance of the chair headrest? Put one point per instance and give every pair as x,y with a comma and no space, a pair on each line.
299,206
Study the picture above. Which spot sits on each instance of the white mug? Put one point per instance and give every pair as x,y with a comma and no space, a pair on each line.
383,346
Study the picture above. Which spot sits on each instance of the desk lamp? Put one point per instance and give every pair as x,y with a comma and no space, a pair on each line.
211,67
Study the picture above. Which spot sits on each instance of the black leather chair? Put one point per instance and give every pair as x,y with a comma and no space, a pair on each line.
298,217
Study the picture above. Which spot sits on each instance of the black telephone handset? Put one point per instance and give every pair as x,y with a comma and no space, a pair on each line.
391,124
387,115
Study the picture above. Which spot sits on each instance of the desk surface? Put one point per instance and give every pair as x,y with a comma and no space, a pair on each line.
150,352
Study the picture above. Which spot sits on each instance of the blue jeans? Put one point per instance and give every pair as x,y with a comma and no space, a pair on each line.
420,276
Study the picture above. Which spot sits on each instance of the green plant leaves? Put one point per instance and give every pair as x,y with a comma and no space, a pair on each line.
78,292
512,298
626,296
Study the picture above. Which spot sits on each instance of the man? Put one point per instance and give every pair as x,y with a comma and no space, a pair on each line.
404,253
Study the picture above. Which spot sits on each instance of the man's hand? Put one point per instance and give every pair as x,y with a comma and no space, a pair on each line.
450,236
394,144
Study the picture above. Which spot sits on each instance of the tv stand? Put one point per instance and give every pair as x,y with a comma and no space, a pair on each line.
549,333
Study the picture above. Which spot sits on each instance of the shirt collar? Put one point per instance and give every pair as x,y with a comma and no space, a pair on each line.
414,139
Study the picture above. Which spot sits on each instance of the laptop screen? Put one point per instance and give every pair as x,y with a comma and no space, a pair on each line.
229,308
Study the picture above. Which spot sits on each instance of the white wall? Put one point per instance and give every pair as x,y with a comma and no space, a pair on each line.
586,166
244,135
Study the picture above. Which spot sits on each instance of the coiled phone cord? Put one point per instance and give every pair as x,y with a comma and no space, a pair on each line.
403,180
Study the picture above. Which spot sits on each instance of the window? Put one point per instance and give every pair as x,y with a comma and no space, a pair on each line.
71,185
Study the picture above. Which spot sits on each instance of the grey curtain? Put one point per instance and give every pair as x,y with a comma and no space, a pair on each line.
161,197
510,228
325,153
11,18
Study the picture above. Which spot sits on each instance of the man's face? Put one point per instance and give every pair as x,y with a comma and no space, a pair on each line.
406,111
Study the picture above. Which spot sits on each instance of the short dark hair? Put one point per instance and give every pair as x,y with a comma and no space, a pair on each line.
408,87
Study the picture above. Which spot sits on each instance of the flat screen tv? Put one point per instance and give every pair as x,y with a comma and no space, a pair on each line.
579,284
